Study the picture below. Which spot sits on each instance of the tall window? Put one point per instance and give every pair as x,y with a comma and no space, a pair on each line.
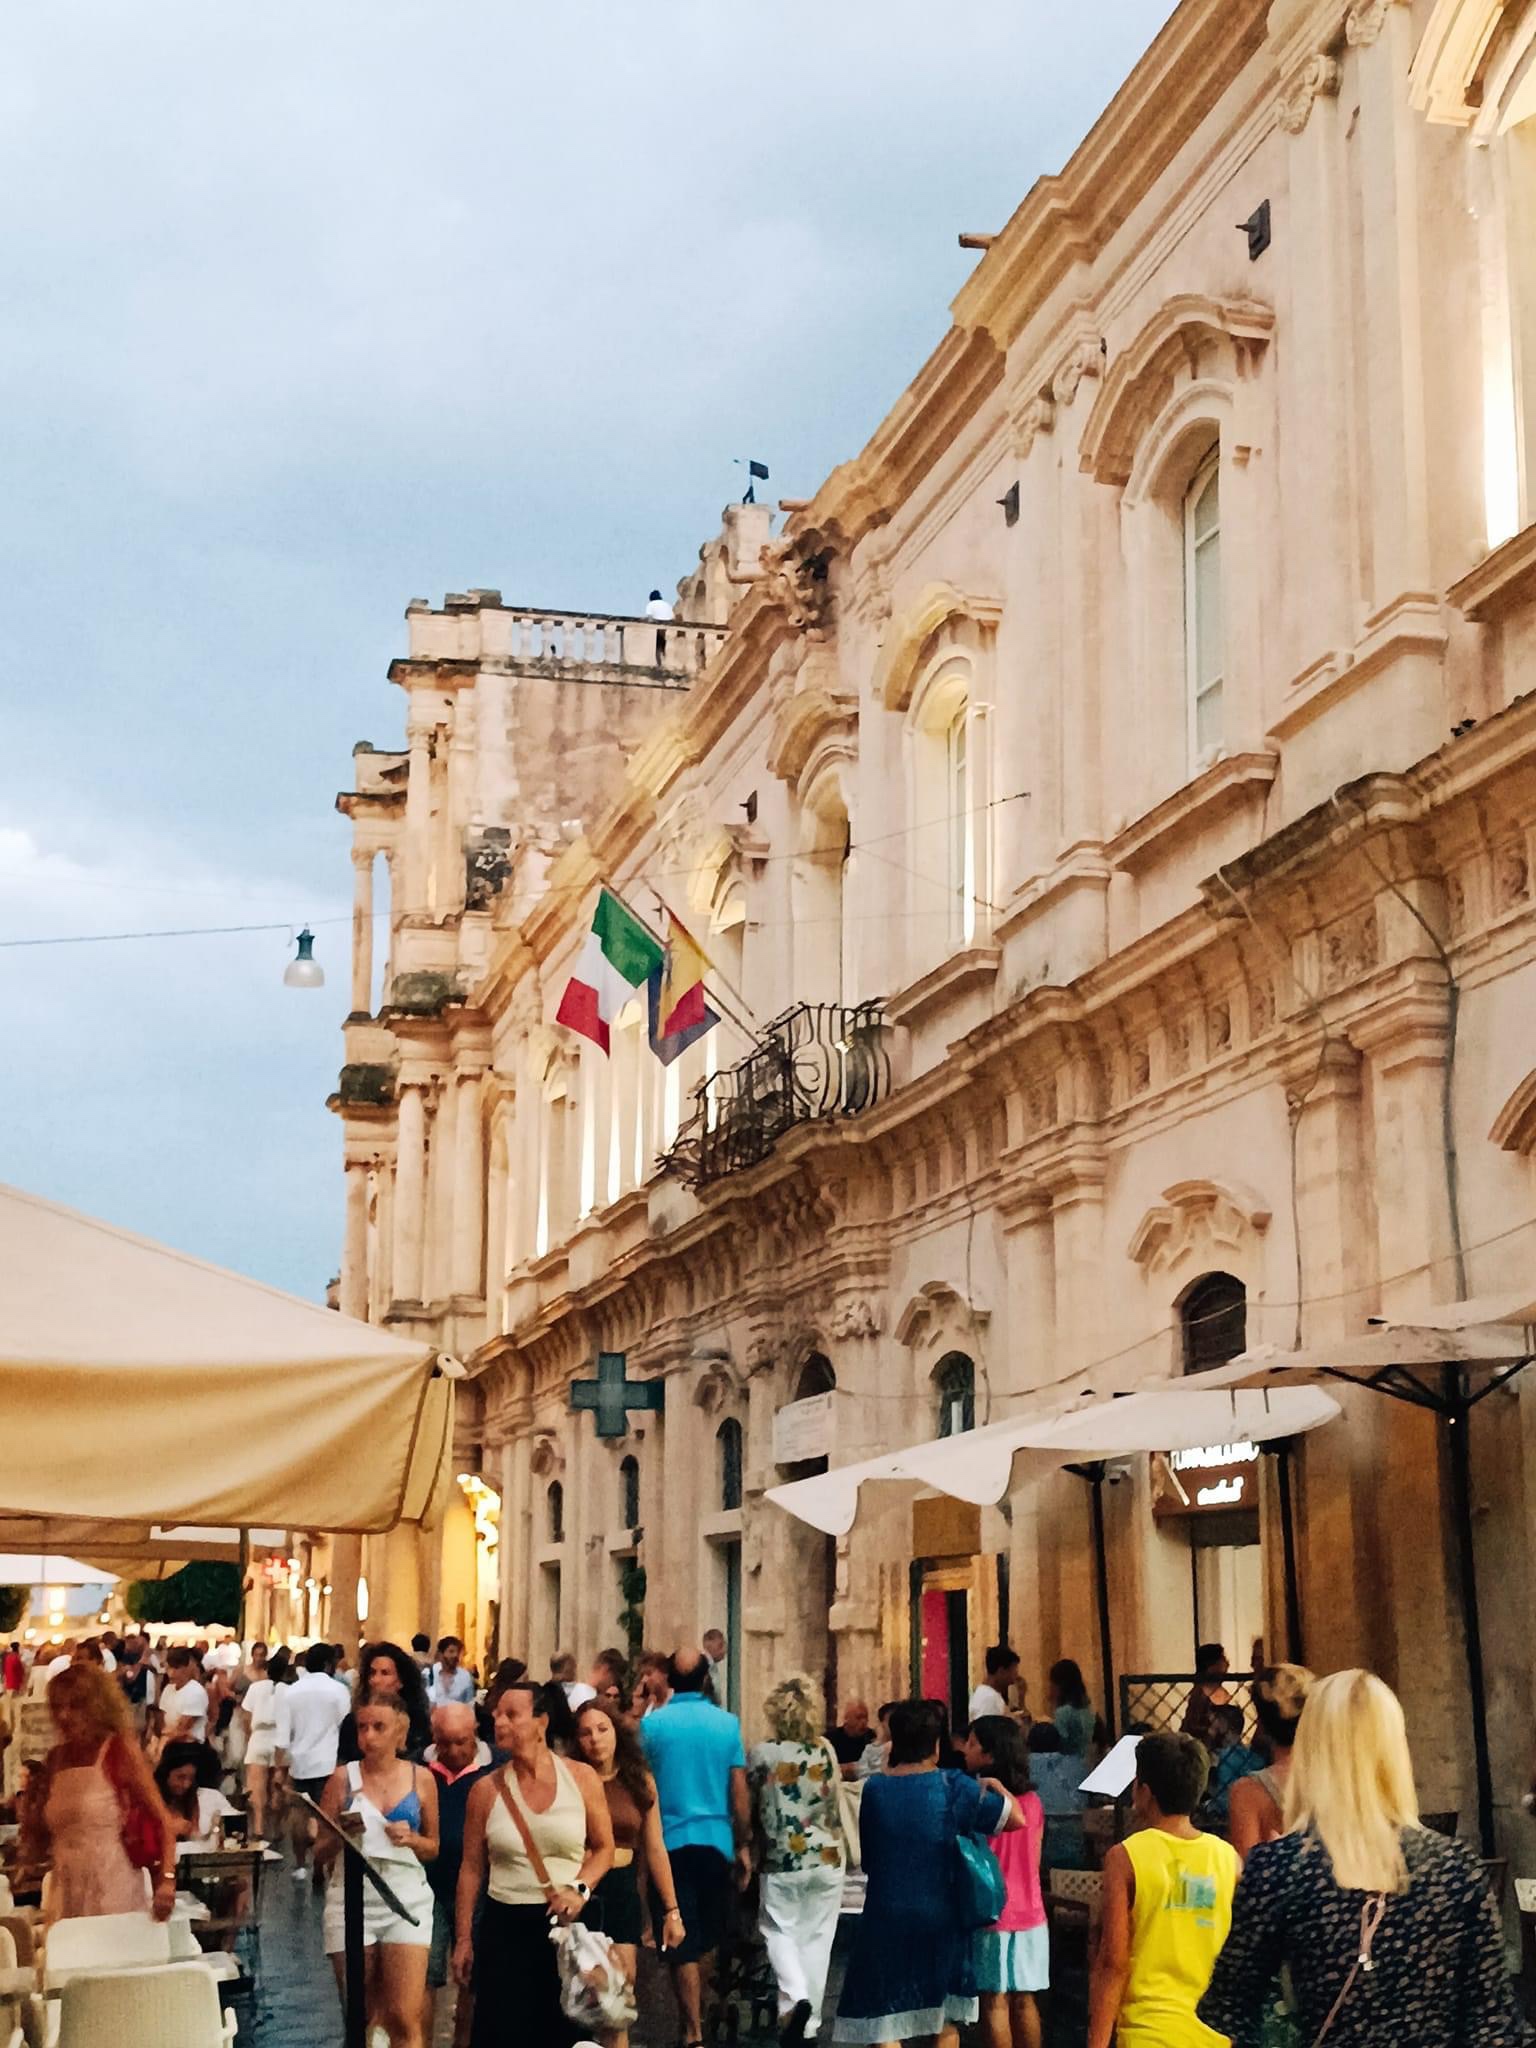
728,1443
555,1502
956,1383
1214,1315
962,860
629,1493
1204,625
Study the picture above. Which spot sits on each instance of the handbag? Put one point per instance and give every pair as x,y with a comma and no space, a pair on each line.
139,1827
593,1984
849,1800
977,1886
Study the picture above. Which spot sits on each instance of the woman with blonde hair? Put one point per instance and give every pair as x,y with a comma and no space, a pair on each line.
794,1778
102,1824
1389,1932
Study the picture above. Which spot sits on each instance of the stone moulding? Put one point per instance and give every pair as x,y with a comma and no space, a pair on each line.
1207,1212
1317,79
1133,391
1514,1128
939,605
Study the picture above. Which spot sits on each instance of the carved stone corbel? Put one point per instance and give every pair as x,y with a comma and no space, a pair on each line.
1317,79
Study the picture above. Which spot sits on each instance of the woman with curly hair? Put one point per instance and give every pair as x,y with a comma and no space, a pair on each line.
1256,1806
385,1667
641,1867
794,1780
96,1776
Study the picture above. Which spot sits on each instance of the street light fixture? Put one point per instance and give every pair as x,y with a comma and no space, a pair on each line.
304,970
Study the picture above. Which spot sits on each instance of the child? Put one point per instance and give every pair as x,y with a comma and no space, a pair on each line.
1167,1908
1012,1959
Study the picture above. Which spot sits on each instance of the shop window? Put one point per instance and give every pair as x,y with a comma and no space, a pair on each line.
1214,1318
955,1379
629,1493
1204,617
554,1502
728,1449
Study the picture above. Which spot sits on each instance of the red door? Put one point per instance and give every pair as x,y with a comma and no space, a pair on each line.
935,1626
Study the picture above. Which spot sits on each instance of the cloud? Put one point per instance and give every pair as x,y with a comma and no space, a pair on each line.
173,1086
310,309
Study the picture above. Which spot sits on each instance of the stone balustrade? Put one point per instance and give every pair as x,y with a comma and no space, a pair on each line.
551,643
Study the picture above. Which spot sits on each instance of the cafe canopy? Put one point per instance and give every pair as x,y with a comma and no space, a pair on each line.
153,1405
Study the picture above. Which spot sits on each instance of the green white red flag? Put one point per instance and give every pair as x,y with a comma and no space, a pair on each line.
619,956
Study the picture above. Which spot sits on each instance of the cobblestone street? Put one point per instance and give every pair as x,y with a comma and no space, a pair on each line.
297,2005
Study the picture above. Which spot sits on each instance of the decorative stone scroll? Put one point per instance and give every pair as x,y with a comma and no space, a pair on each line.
1317,79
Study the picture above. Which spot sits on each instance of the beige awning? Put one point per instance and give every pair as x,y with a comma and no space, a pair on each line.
140,1387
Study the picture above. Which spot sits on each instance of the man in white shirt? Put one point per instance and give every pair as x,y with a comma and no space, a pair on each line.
991,1698
183,1699
562,1672
309,1717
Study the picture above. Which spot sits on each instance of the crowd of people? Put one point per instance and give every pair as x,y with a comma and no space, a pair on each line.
1273,1887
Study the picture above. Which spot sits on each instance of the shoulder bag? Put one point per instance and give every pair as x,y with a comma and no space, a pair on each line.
594,1988
139,1829
848,1798
977,1887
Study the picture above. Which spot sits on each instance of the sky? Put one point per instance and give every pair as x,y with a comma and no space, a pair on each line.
307,310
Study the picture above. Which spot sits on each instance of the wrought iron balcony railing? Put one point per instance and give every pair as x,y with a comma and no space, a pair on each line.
816,1062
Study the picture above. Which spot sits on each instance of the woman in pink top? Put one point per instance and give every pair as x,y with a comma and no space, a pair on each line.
1012,1959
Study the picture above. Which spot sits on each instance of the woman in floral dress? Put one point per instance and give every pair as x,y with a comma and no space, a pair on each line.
794,1779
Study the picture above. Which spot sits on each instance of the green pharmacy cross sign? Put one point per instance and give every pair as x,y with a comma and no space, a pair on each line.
611,1396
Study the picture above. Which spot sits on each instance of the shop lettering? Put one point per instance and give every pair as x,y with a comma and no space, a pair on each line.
1212,1457
1226,1493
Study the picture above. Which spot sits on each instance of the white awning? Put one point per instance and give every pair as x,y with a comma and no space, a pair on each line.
979,1465
31,1568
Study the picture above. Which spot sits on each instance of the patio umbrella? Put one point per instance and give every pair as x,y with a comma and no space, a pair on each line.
1446,1360
979,1464
141,1388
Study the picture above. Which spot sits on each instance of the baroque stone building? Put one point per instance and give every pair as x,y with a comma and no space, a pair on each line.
1108,804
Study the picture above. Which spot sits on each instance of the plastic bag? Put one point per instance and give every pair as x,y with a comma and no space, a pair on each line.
594,1989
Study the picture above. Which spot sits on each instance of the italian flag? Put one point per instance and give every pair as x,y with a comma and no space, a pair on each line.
618,957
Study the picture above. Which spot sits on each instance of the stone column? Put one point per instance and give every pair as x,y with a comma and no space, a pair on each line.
467,1259
346,1570
516,1550
362,932
354,1253
1416,1595
394,1611
418,819
410,1192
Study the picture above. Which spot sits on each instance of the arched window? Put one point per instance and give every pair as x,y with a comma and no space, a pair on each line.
728,1443
629,1493
955,1379
816,1377
1214,1317
962,863
1204,622
555,1501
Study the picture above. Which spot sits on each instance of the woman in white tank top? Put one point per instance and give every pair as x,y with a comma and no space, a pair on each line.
511,1960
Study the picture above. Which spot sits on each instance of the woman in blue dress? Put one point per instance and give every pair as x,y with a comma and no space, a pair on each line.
910,1974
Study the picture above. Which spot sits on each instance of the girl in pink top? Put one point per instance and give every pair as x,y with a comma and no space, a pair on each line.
1012,1959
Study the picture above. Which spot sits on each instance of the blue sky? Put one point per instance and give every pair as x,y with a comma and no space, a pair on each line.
308,310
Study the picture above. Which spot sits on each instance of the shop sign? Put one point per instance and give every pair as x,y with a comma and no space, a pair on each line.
1208,1479
803,1430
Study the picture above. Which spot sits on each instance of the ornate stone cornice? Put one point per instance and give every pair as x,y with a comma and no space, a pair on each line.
1317,79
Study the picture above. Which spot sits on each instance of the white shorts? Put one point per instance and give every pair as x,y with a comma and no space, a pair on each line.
382,1927
262,1747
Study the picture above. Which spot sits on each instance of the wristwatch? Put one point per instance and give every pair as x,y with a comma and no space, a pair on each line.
584,1889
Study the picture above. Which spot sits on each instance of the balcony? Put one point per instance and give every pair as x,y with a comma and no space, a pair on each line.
541,643
816,1063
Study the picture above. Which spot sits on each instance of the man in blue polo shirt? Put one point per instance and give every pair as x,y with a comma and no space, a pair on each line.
694,1750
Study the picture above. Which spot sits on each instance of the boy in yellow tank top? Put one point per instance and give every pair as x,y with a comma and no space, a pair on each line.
1167,1908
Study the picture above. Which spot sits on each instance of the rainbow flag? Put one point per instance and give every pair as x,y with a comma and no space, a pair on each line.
618,955
679,1013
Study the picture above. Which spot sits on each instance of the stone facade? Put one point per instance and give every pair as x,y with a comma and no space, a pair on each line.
1127,763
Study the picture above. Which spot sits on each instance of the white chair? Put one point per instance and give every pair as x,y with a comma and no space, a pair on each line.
177,2007
106,1941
